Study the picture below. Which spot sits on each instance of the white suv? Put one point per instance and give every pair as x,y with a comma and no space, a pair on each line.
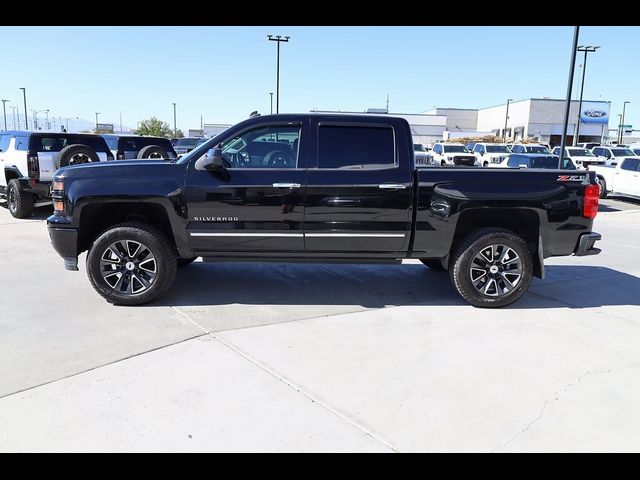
612,155
491,154
579,156
452,154
28,161
529,148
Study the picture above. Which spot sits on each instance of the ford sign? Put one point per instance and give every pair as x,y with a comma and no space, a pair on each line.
594,113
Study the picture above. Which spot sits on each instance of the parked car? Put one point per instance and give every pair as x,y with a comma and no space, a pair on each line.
350,193
490,154
537,160
452,154
612,155
623,178
529,148
421,154
29,159
580,156
127,147
588,145
185,145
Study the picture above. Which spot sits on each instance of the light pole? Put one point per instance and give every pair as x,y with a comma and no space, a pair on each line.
97,113
278,39
24,97
14,117
506,117
624,107
175,131
586,50
4,111
35,117
271,93
48,125
572,66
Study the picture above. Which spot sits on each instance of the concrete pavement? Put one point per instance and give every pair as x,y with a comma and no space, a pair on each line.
268,357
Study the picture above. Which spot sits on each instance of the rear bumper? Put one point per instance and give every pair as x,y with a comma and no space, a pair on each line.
65,242
585,244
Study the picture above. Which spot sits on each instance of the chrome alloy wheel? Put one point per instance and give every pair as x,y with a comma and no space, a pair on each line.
79,158
128,267
496,270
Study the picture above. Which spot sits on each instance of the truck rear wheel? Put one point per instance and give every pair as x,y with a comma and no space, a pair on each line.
152,152
602,184
19,202
131,264
491,267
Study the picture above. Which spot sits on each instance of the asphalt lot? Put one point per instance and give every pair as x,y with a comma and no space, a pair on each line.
271,357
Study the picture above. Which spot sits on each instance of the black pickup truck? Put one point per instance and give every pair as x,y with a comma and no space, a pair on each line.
318,188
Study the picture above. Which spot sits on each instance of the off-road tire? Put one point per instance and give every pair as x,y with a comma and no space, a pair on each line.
19,202
602,183
164,254
472,245
152,152
76,154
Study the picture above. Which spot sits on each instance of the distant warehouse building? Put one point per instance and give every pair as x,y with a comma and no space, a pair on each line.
540,118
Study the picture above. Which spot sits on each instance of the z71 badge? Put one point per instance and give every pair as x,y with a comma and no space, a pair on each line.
571,178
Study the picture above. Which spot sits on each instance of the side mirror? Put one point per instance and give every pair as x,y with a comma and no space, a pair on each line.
212,161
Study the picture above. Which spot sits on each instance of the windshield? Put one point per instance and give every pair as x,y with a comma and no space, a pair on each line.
418,147
580,152
621,152
537,149
186,142
455,149
497,149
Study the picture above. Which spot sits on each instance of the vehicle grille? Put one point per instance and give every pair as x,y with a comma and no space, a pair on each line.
498,159
464,160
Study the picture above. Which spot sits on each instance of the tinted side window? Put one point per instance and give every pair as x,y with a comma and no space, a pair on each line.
5,139
515,161
49,144
630,164
355,147
22,143
95,143
112,142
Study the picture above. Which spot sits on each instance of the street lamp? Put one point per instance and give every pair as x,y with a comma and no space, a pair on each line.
586,50
278,39
572,66
48,124
24,97
271,93
624,107
4,111
35,117
175,134
14,117
97,113
506,117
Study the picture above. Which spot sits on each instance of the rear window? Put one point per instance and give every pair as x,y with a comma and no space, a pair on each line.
96,143
544,162
138,143
355,147
55,143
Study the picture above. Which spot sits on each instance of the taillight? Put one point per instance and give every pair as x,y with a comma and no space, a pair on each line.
33,166
591,196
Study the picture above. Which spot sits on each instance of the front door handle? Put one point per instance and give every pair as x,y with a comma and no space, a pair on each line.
392,186
286,185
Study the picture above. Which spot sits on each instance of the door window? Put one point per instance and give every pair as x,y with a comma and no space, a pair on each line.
630,164
355,147
264,147
5,139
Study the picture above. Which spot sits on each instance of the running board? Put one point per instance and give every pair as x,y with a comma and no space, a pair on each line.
384,261
43,203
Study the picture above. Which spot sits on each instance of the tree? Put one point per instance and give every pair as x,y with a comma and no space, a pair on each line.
154,128
179,134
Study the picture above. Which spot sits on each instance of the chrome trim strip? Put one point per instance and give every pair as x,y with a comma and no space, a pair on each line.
380,235
201,234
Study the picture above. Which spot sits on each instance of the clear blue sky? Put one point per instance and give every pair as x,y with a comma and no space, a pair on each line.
224,73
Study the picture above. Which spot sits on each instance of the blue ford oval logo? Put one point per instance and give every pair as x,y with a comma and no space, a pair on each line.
595,113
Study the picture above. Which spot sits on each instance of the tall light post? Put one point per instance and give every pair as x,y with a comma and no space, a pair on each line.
624,107
48,125
4,111
271,94
586,50
506,117
24,97
35,117
97,113
572,67
15,127
175,130
278,39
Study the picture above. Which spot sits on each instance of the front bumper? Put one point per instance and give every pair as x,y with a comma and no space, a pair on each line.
585,244
65,242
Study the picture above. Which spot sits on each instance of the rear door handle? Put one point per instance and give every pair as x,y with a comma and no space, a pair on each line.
392,186
286,185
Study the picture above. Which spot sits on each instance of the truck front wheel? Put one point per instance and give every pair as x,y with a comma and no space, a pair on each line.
131,264
491,268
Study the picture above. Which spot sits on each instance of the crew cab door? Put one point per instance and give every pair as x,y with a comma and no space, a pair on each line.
257,202
359,190
627,177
